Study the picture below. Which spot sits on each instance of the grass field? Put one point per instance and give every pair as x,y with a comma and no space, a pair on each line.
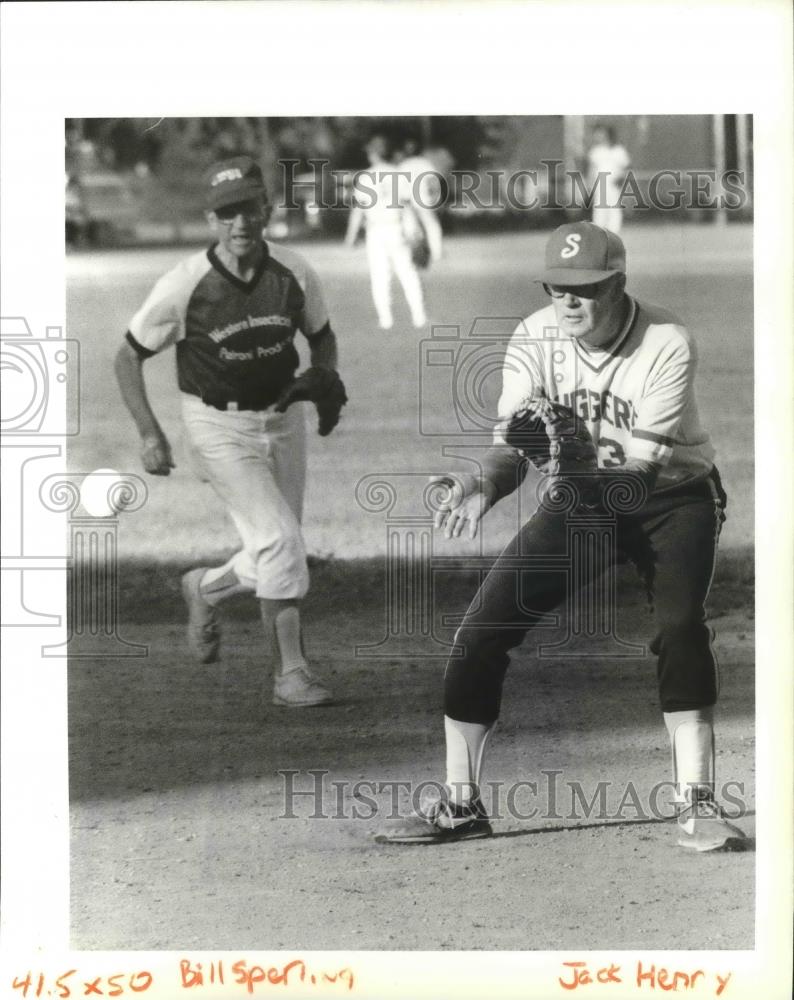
176,840
702,274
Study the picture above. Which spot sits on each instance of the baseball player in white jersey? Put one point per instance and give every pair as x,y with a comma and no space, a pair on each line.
384,205
626,369
232,313
608,162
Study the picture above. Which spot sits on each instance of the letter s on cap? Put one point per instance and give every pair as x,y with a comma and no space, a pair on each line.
573,242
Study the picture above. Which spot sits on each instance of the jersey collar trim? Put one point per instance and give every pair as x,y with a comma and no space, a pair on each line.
610,353
246,286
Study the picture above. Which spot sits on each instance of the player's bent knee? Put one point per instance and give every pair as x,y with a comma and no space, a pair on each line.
479,646
281,570
283,585
487,645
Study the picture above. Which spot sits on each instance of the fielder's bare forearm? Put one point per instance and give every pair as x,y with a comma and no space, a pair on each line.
129,373
503,470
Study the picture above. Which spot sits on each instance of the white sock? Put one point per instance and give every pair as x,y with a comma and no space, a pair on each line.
692,743
221,582
282,620
465,750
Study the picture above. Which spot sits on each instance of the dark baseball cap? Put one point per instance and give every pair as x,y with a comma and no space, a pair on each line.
236,179
580,253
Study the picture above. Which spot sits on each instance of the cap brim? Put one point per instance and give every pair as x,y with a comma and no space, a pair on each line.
574,276
231,195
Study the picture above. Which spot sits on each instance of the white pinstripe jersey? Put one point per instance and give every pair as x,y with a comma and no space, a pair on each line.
637,398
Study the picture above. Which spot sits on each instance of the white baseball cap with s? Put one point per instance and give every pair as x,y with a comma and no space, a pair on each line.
581,253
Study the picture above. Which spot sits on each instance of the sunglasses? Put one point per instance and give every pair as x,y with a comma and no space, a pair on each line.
593,291
229,214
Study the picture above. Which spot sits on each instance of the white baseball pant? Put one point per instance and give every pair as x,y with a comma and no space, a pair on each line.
256,463
388,254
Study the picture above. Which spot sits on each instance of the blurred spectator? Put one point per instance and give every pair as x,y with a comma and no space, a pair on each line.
609,161
80,153
151,149
72,139
125,144
234,137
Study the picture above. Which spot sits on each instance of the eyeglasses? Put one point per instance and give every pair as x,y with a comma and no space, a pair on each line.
579,291
229,215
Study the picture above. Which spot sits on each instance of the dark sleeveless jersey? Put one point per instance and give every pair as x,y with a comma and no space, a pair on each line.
234,339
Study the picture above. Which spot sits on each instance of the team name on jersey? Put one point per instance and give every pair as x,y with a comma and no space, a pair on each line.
604,406
249,323
256,352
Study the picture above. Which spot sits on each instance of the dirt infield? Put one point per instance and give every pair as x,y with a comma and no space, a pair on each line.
180,835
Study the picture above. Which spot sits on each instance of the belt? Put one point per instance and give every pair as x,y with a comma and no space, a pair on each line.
235,405
709,487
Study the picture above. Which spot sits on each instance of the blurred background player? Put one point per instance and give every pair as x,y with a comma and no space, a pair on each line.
607,163
385,207
630,378
232,313
426,191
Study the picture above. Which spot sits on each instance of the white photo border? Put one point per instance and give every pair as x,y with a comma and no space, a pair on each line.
64,60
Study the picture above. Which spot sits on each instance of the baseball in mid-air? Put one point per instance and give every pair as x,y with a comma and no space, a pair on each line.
104,493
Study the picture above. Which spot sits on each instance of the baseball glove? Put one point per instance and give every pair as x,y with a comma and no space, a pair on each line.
553,438
320,386
420,252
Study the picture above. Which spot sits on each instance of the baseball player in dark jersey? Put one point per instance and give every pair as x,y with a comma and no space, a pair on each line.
626,370
232,313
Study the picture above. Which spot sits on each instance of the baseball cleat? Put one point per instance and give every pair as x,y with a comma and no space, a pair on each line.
203,630
442,822
703,827
299,689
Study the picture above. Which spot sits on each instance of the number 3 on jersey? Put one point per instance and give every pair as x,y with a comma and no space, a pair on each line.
610,453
